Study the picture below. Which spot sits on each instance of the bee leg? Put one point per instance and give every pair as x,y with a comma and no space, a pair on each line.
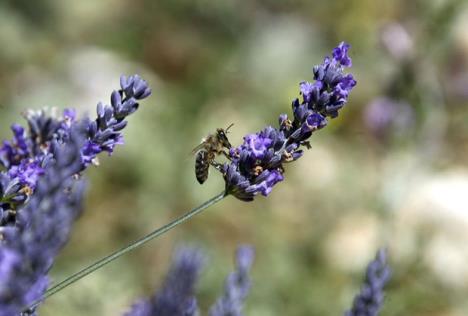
217,165
226,154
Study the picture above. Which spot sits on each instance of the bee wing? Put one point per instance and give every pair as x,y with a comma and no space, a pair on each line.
201,146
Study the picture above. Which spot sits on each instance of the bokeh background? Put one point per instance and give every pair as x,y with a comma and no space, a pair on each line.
390,171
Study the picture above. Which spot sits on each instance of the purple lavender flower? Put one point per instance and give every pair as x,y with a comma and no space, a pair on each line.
105,132
41,167
237,286
16,150
42,228
135,87
27,172
257,144
176,298
369,301
38,168
257,165
340,53
25,157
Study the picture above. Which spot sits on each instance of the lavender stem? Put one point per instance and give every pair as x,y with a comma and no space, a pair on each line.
104,261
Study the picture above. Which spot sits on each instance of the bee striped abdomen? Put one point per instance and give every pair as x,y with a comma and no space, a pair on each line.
202,166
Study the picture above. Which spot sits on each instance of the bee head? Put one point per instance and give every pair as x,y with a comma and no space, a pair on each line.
221,134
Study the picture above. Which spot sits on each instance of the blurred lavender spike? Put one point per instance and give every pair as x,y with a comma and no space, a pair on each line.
369,301
237,286
176,298
385,117
257,165
28,249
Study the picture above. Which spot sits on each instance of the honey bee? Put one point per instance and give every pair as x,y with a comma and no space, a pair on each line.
206,152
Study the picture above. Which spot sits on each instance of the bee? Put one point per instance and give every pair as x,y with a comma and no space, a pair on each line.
206,152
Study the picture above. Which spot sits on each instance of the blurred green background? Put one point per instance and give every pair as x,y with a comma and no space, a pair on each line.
390,171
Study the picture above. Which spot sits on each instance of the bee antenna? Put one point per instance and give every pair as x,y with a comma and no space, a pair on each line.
227,129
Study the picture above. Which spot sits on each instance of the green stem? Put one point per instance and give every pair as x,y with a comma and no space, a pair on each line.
104,261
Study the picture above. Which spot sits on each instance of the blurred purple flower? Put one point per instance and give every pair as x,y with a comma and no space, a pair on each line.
42,228
16,150
257,165
176,297
237,286
41,167
369,301
27,172
384,117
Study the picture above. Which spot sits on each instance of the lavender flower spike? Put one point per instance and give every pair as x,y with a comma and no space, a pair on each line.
369,301
134,86
105,132
237,286
176,298
42,227
25,157
257,165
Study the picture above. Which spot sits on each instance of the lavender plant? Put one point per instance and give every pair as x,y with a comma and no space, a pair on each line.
42,227
387,118
176,297
25,157
369,301
256,165
41,193
40,190
237,286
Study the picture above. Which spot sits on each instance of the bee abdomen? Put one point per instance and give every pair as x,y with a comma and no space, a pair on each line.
202,166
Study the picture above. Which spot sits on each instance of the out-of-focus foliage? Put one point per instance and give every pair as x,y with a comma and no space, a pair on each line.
212,63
